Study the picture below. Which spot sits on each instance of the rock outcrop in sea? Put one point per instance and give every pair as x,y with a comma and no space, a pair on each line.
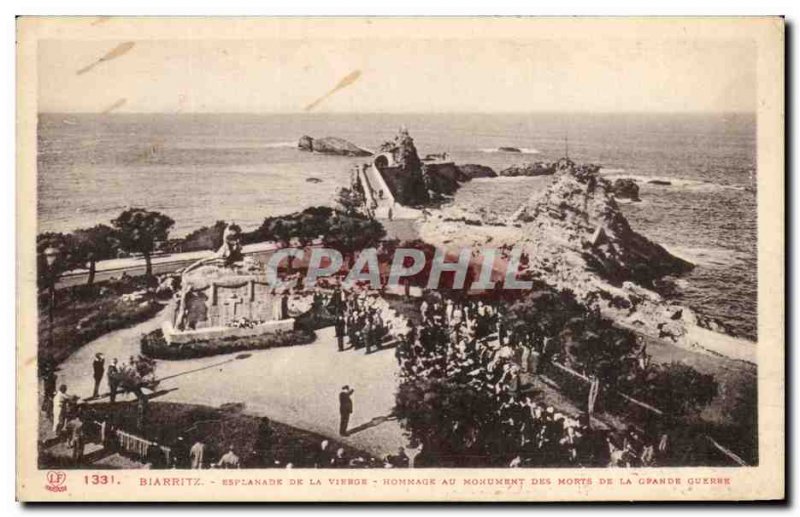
625,188
575,237
405,177
446,178
530,169
545,168
331,145
473,170
579,212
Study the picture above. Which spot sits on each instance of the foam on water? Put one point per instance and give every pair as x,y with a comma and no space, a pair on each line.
683,183
522,150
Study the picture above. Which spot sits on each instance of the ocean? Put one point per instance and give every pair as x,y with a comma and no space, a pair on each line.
199,168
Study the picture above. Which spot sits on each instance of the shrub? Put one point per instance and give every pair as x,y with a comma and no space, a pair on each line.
676,388
453,421
154,345
81,317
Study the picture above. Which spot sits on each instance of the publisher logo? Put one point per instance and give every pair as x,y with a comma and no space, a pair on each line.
56,481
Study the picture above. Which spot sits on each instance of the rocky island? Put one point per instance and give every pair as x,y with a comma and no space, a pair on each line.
331,145
625,188
542,168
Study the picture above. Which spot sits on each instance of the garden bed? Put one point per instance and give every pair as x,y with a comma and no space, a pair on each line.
154,345
83,314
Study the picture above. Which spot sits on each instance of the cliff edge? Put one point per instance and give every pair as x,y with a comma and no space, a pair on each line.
575,237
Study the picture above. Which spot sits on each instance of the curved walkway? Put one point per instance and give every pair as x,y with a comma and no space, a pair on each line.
298,386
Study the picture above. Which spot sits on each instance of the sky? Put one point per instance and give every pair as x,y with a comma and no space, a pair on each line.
397,76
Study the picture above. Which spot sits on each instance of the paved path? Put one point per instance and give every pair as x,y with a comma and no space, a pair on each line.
166,263
297,386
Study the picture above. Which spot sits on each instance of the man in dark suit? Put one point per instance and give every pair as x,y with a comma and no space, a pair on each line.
340,330
99,367
345,408
113,382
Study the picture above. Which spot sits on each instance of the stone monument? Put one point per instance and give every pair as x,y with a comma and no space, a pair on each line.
226,295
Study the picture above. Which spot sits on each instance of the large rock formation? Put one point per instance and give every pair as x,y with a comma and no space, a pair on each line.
446,178
579,210
530,169
406,176
306,143
472,171
625,188
548,168
575,237
331,145
443,178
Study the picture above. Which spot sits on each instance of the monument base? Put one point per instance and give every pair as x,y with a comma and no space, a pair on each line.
174,336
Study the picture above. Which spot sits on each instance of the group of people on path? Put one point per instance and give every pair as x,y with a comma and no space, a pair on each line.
358,320
470,344
66,410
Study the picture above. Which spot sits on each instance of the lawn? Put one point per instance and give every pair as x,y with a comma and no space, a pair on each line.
83,313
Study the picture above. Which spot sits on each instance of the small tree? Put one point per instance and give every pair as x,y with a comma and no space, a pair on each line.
352,233
312,223
453,422
140,229
350,200
593,345
133,378
205,238
48,274
92,244
676,388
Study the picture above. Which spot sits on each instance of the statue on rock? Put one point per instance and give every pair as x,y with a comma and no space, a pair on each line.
231,249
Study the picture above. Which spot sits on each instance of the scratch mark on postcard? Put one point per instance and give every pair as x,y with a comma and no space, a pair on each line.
346,81
118,103
119,50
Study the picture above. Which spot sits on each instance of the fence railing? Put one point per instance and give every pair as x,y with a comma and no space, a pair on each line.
576,379
140,448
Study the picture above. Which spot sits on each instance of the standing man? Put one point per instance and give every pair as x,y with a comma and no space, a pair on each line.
229,460
60,405
99,367
113,381
197,455
340,332
369,334
263,444
284,306
49,381
345,408
77,438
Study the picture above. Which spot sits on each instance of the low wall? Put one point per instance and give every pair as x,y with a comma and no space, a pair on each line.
176,337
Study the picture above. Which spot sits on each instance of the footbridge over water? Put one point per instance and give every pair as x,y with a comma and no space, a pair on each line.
380,196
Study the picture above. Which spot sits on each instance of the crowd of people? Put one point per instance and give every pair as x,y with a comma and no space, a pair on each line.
67,411
359,321
266,452
468,344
